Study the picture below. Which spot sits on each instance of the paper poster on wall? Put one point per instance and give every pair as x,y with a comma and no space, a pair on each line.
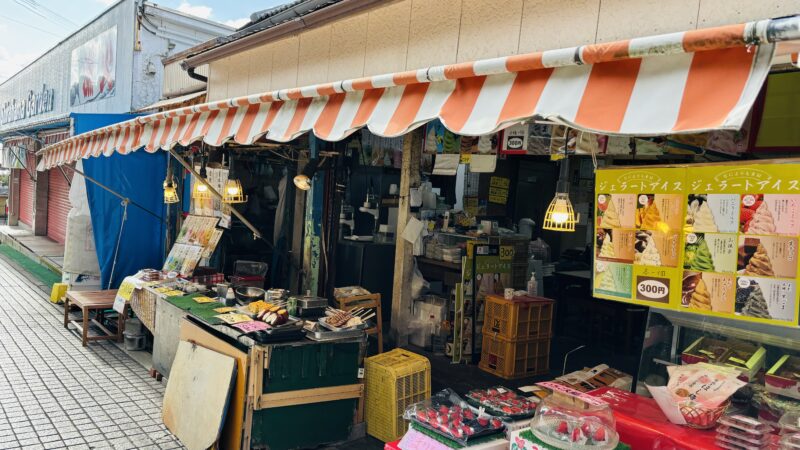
93,69
715,239
638,227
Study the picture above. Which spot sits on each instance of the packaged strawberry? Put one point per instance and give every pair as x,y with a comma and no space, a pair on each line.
502,401
449,416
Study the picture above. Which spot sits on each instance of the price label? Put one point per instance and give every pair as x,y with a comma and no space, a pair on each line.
506,252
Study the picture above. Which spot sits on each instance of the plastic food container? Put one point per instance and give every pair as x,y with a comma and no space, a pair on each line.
790,423
575,423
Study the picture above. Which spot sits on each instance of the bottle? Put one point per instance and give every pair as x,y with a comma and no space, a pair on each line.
532,287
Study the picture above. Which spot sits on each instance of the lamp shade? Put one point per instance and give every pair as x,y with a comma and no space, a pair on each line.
233,192
560,216
170,191
303,179
200,190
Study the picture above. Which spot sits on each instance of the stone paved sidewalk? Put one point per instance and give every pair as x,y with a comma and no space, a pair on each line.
54,393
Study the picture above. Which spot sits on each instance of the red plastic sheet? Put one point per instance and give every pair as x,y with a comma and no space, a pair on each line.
642,425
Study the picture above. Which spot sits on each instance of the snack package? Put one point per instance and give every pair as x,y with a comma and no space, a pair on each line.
502,401
702,384
447,414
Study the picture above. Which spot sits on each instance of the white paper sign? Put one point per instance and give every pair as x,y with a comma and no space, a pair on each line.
412,230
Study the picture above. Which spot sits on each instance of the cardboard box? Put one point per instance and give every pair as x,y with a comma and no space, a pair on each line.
784,377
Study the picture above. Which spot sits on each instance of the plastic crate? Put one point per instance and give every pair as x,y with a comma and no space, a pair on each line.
520,318
394,380
515,359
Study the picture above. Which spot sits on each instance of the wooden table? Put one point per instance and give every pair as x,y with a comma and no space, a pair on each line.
99,302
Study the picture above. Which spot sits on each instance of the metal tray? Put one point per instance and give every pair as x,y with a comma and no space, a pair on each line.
321,335
323,321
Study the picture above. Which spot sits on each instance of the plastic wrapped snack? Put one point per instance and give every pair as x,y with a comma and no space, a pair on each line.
502,401
447,414
575,423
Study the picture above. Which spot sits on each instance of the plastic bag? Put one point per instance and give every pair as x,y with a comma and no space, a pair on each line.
447,414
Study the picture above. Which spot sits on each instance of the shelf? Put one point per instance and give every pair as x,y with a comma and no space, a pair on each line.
779,336
436,262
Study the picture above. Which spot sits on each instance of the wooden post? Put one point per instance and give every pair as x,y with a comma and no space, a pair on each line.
298,218
403,256
312,245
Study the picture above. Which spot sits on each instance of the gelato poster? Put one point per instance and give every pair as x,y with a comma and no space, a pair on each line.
711,239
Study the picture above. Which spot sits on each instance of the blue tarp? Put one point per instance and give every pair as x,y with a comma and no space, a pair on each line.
137,176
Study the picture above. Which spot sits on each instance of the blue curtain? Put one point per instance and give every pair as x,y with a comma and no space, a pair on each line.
137,176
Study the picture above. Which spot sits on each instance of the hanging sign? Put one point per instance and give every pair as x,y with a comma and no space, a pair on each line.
719,240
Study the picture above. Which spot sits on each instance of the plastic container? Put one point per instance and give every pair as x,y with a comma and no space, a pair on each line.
790,441
790,423
737,434
501,401
394,381
519,318
134,342
514,359
449,416
576,423
745,423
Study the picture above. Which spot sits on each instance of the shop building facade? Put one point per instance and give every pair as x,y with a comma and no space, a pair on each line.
111,65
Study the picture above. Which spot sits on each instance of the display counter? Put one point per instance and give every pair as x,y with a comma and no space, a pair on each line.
642,424
284,387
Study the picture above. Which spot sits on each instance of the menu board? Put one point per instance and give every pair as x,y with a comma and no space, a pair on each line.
712,239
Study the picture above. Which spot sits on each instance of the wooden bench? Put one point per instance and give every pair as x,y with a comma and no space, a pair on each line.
99,302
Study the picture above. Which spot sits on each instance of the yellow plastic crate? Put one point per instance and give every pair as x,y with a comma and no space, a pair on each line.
394,380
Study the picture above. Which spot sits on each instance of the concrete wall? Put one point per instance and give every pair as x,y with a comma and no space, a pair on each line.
410,34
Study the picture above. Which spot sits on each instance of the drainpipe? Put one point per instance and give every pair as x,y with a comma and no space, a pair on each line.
192,74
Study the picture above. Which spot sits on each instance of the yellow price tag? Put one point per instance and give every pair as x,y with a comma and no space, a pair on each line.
204,299
233,318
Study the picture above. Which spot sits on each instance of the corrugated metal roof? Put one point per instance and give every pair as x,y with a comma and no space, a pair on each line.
260,21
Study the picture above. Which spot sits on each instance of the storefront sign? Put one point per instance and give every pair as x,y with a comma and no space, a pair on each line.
34,104
719,240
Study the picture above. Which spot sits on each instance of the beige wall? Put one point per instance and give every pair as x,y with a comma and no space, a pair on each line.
411,34
177,82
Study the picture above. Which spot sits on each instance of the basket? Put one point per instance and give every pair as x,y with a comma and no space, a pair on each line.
703,418
515,359
143,304
520,318
394,381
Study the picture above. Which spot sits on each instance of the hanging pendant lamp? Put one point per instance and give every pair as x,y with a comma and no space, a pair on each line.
233,192
170,187
560,216
201,190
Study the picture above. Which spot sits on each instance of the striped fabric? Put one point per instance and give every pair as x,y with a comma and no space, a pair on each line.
676,83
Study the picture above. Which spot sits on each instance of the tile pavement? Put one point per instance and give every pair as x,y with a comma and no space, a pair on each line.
56,394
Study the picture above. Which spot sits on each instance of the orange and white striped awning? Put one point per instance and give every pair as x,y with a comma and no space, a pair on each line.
676,83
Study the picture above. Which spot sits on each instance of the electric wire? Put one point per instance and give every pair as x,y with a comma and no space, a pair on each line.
30,26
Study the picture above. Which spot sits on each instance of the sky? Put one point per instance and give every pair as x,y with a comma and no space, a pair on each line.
28,28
